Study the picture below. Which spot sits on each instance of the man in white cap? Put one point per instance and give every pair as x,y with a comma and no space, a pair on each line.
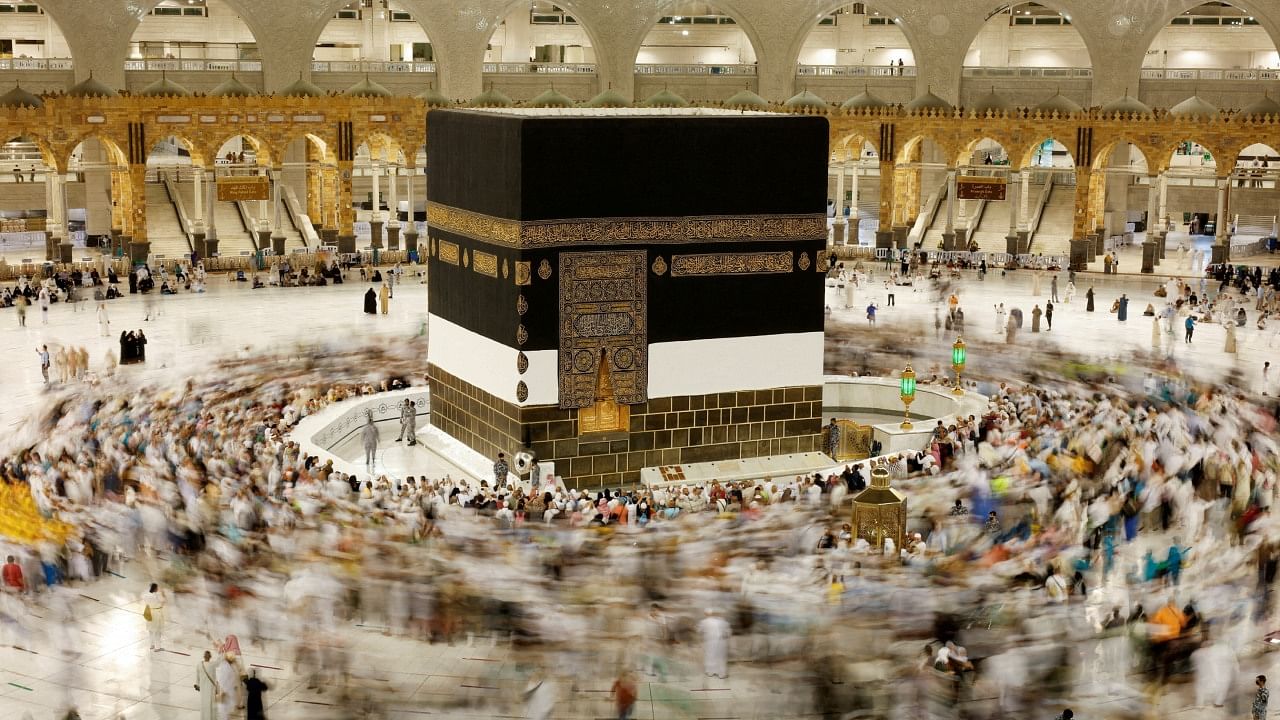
715,634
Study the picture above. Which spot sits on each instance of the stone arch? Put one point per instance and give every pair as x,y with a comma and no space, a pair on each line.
1237,149
386,146
391,7
587,27
264,154
53,12
21,132
832,7
198,157
1216,154
1029,151
314,140
847,136
967,151
915,143
146,25
124,189
727,8
1061,8
1149,154
114,148
1174,9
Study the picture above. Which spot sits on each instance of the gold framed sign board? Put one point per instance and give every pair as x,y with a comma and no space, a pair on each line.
232,189
978,187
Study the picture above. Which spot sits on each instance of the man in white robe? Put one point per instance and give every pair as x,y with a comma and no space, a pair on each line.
228,678
1215,667
715,633
208,687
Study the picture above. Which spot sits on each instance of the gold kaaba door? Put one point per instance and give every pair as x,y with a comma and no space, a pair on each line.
855,441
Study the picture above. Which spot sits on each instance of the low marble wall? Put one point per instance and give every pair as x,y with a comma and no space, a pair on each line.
843,393
336,423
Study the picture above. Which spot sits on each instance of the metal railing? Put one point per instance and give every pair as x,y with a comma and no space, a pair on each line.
664,69
37,64
855,71
1208,74
1056,73
297,216
193,65
180,209
526,68
371,66
1033,225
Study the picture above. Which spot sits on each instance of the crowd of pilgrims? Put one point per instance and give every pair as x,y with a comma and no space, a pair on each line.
1098,537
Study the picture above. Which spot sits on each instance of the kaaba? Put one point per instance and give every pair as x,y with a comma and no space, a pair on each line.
620,289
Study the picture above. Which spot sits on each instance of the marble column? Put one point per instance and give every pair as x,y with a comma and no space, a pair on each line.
1015,193
949,233
375,218
838,228
53,232
1025,198
211,224
393,203
1164,202
277,234
65,247
1153,208
1222,239
852,233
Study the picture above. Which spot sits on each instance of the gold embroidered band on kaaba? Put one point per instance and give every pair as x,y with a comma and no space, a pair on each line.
623,231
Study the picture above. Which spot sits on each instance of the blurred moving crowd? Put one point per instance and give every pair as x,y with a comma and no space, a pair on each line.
1090,537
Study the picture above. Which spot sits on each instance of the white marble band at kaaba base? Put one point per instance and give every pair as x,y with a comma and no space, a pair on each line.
692,367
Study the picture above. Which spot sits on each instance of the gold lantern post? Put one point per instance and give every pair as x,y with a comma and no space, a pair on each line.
959,355
880,512
907,392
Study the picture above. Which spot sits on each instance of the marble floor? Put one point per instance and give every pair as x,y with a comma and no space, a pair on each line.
193,328
113,675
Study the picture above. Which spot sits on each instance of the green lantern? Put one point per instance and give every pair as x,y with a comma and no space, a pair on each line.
959,354
907,392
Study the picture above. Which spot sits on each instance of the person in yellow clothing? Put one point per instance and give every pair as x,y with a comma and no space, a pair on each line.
1167,623
384,296
1166,627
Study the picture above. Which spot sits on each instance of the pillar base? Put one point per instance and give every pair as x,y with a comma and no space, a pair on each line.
138,251
375,234
1096,244
1221,254
328,236
900,236
115,241
1024,242
346,243
1161,248
962,239
277,244
1079,255
393,237
197,244
839,234
884,238
64,252
264,239
1011,244
411,244
1149,256
948,241
210,245
51,247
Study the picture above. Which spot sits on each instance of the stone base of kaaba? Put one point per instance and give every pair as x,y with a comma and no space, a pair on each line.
663,431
